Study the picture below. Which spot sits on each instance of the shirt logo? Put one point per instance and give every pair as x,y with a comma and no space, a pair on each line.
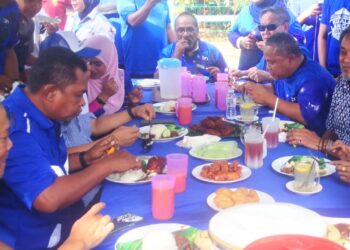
340,20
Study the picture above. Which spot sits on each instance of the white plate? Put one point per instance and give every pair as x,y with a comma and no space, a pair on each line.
290,187
238,153
182,132
241,225
239,119
158,107
279,162
141,232
146,83
115,179
196,172
263,198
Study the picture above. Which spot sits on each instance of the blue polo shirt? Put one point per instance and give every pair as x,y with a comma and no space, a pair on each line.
36,160
9,25
336,16
142,44
312,87
205,56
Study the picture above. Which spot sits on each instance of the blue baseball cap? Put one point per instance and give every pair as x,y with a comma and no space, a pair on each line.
68,39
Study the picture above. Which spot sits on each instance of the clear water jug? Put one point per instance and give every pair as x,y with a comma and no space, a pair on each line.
170,78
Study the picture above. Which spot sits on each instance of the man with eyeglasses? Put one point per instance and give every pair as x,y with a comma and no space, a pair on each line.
302,85
198,56
272,21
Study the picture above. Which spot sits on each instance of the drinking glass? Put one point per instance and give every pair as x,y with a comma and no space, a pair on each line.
177,166
163,196
272,128
199,89
306,177
184,110
220,95
254,148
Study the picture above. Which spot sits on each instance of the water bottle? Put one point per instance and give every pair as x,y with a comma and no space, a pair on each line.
230,104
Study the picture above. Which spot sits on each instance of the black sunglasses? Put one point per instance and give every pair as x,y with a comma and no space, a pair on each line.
269,27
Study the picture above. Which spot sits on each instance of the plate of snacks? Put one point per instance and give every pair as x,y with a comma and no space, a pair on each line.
168,108
221,172
151,166
163,132
216,125
167,236
228,197
217,151
285,165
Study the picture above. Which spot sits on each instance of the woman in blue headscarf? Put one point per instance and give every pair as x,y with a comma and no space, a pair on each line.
244,34
87,21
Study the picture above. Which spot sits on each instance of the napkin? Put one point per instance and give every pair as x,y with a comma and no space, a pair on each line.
198,141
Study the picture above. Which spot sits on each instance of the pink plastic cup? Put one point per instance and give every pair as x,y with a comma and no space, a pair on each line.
177,166
184,110
199,89
186,83
163,196
220,97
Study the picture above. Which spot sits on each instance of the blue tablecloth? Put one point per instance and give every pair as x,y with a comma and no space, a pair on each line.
191,207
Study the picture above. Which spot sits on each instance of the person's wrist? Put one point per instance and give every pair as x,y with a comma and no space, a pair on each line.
103,97
131,112
73,244
83,160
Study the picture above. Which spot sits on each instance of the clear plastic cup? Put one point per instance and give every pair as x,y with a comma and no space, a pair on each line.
272,129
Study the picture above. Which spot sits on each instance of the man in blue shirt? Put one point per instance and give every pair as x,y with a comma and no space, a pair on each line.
335,19
9,24
146,30
303,86
199,57
39,194
272,21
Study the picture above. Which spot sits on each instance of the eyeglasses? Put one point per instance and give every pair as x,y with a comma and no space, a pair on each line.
269,27
181,30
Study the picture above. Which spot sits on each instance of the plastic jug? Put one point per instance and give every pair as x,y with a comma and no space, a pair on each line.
170,78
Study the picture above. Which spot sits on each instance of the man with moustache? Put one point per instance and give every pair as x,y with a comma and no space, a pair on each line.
199,57
41,189
303,87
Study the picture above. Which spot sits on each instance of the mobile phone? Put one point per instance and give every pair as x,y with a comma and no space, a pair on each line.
46,19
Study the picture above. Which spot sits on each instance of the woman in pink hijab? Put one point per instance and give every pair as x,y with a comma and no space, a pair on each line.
106,84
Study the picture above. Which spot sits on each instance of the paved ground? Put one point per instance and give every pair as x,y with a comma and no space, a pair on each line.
230,53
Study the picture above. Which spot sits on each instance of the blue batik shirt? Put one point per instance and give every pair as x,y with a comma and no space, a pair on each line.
38,157
336,16
312,87
205,56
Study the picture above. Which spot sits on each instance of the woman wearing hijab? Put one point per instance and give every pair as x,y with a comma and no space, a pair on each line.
106,84
87,21
244,34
